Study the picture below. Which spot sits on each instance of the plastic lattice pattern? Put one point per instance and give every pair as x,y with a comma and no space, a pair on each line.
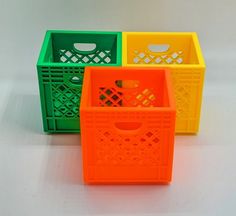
66,101
128,150
182,98
112,97
167,58
100,57
61,97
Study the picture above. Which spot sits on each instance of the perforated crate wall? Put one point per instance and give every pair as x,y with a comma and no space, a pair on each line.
181,53
127,125
60,73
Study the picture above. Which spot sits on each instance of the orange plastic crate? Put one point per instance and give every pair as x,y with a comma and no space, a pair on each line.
127,125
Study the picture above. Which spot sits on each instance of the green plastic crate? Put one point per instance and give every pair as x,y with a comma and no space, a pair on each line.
60,67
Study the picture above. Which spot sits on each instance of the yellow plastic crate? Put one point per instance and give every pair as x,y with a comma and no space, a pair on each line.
181,53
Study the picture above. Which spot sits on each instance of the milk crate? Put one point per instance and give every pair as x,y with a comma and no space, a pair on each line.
127,125
61,63
179,52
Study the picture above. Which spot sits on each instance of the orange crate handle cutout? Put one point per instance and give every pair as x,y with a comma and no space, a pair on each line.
129,128
127,84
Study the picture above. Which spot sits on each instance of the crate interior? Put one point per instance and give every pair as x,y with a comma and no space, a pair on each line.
128,88
161,49
62,48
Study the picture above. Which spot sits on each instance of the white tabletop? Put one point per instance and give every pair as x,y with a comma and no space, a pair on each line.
41,174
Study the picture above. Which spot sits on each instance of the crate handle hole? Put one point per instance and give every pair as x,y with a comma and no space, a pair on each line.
157,48
85,48
127,84
128,126
75,80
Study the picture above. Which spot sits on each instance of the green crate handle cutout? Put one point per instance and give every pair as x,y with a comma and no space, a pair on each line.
85,48
76,81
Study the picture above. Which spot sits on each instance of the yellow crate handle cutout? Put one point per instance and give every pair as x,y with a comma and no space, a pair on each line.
158,48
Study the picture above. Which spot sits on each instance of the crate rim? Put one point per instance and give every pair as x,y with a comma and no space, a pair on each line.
127,109
196,43
87,78
48,34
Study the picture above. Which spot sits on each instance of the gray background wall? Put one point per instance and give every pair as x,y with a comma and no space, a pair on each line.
23,24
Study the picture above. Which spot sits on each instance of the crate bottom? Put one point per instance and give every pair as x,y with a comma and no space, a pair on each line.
62,126
187,126
127,174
